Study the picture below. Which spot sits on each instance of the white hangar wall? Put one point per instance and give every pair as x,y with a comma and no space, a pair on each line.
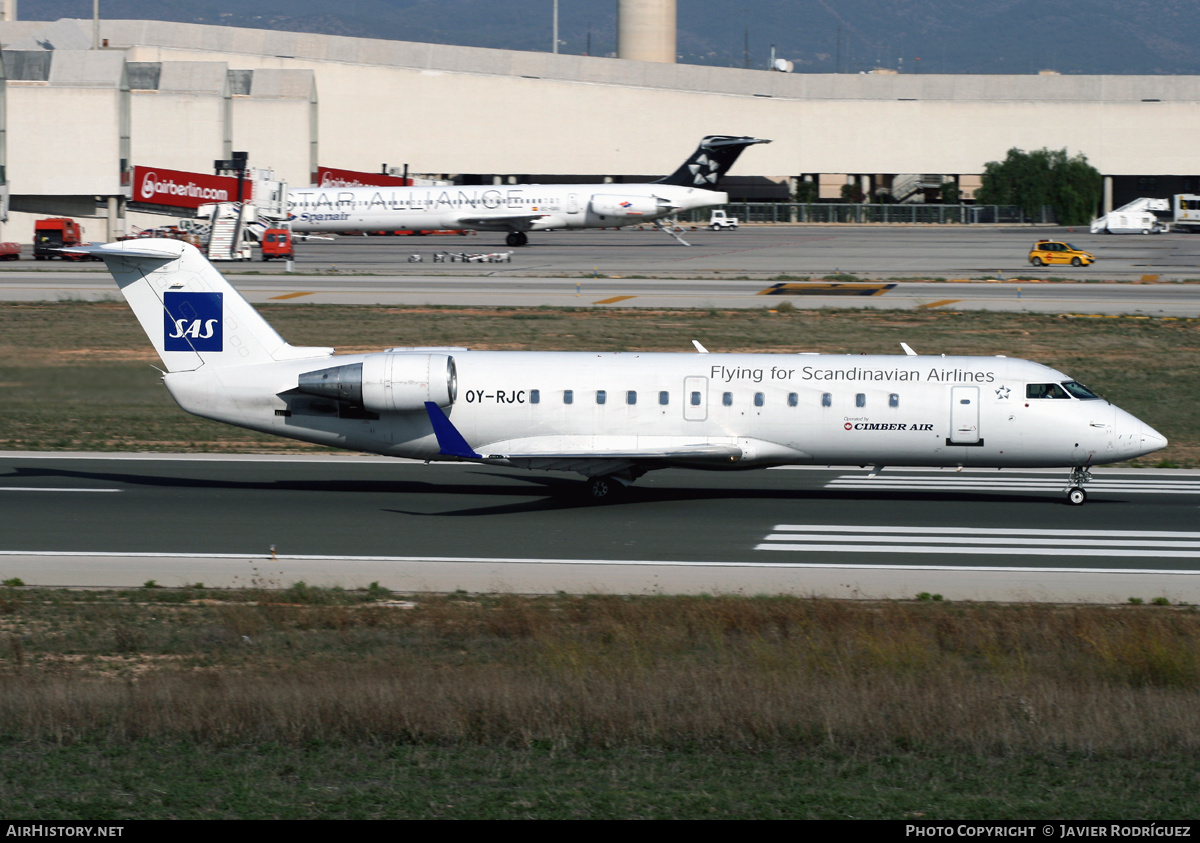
462,109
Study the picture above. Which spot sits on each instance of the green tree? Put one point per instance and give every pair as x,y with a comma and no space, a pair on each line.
1044,177
852,193
950,193
807,192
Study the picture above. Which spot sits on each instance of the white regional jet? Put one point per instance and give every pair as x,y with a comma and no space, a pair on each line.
611,416
519,208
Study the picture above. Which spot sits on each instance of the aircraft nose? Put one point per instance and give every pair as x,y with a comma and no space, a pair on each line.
1150,439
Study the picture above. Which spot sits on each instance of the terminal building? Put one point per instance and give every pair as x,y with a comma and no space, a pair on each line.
84,105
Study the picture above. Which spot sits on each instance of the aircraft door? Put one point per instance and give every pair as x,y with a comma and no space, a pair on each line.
964,415
572,203
695,399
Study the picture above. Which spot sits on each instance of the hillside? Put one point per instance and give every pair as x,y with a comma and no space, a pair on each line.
819,36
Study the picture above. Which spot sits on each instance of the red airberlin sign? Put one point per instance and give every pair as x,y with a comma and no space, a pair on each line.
158,186
332,177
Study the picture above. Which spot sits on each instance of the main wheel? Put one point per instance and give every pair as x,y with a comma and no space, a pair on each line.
516,238
604,489
1076,262
1076,496
1036,261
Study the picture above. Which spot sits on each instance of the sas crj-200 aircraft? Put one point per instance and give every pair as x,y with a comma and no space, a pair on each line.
518,208
611,417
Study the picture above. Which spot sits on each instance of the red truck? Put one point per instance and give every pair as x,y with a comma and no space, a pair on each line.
277,243
52,234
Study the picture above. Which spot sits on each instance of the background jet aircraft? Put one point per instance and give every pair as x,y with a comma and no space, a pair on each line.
610,417
522,207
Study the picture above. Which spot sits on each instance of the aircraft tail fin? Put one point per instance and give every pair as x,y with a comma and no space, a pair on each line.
192,315
711,160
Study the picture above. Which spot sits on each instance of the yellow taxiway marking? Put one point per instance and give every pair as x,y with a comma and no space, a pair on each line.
291,296
940,303
614,300
1149,279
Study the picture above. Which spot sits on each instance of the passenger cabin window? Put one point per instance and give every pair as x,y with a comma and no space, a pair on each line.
664,398
826,399
695,399
893,400
568,396
793,399
727,399
860,400
759,399
601,396
1045,390
535,396
631,397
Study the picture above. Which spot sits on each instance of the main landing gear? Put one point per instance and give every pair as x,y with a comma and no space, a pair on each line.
609,488
516,238
1075,493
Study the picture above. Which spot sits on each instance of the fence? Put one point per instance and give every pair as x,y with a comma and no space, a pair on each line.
783,212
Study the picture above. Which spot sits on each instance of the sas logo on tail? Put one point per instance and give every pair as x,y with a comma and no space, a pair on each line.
192,322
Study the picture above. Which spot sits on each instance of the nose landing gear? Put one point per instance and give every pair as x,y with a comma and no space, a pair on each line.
1075,492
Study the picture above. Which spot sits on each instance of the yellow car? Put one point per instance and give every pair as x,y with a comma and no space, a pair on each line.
1046,252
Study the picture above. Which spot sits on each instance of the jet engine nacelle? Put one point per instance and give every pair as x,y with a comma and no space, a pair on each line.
387,383
626,207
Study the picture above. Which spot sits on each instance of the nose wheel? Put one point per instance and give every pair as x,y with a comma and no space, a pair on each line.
1075,492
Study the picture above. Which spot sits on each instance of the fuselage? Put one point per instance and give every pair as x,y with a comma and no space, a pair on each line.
775,408
491,208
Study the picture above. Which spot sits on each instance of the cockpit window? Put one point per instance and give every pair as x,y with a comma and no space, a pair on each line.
1079,390
1045,390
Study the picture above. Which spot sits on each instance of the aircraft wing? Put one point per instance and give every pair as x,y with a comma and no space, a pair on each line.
566,451
509,222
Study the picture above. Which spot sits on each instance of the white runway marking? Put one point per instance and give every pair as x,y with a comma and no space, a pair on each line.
49,489
1000,483
971,541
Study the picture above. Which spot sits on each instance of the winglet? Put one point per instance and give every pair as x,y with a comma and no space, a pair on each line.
450,441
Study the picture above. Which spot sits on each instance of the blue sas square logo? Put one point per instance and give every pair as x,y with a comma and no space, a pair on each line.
192,322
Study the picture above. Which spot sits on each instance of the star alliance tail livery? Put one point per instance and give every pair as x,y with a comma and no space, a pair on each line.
518,208
611,416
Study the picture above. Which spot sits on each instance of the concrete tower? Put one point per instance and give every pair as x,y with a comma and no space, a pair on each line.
646,30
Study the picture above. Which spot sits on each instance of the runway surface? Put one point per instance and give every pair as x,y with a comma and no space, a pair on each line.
752,267
120,520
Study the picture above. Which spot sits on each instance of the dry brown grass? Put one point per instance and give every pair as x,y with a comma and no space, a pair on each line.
574,672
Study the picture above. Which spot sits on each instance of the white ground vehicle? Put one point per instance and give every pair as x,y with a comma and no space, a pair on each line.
1137,217
1187,212
720,219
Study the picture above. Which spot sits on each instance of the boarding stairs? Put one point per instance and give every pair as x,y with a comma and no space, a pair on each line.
1138,215
910,188
229,229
